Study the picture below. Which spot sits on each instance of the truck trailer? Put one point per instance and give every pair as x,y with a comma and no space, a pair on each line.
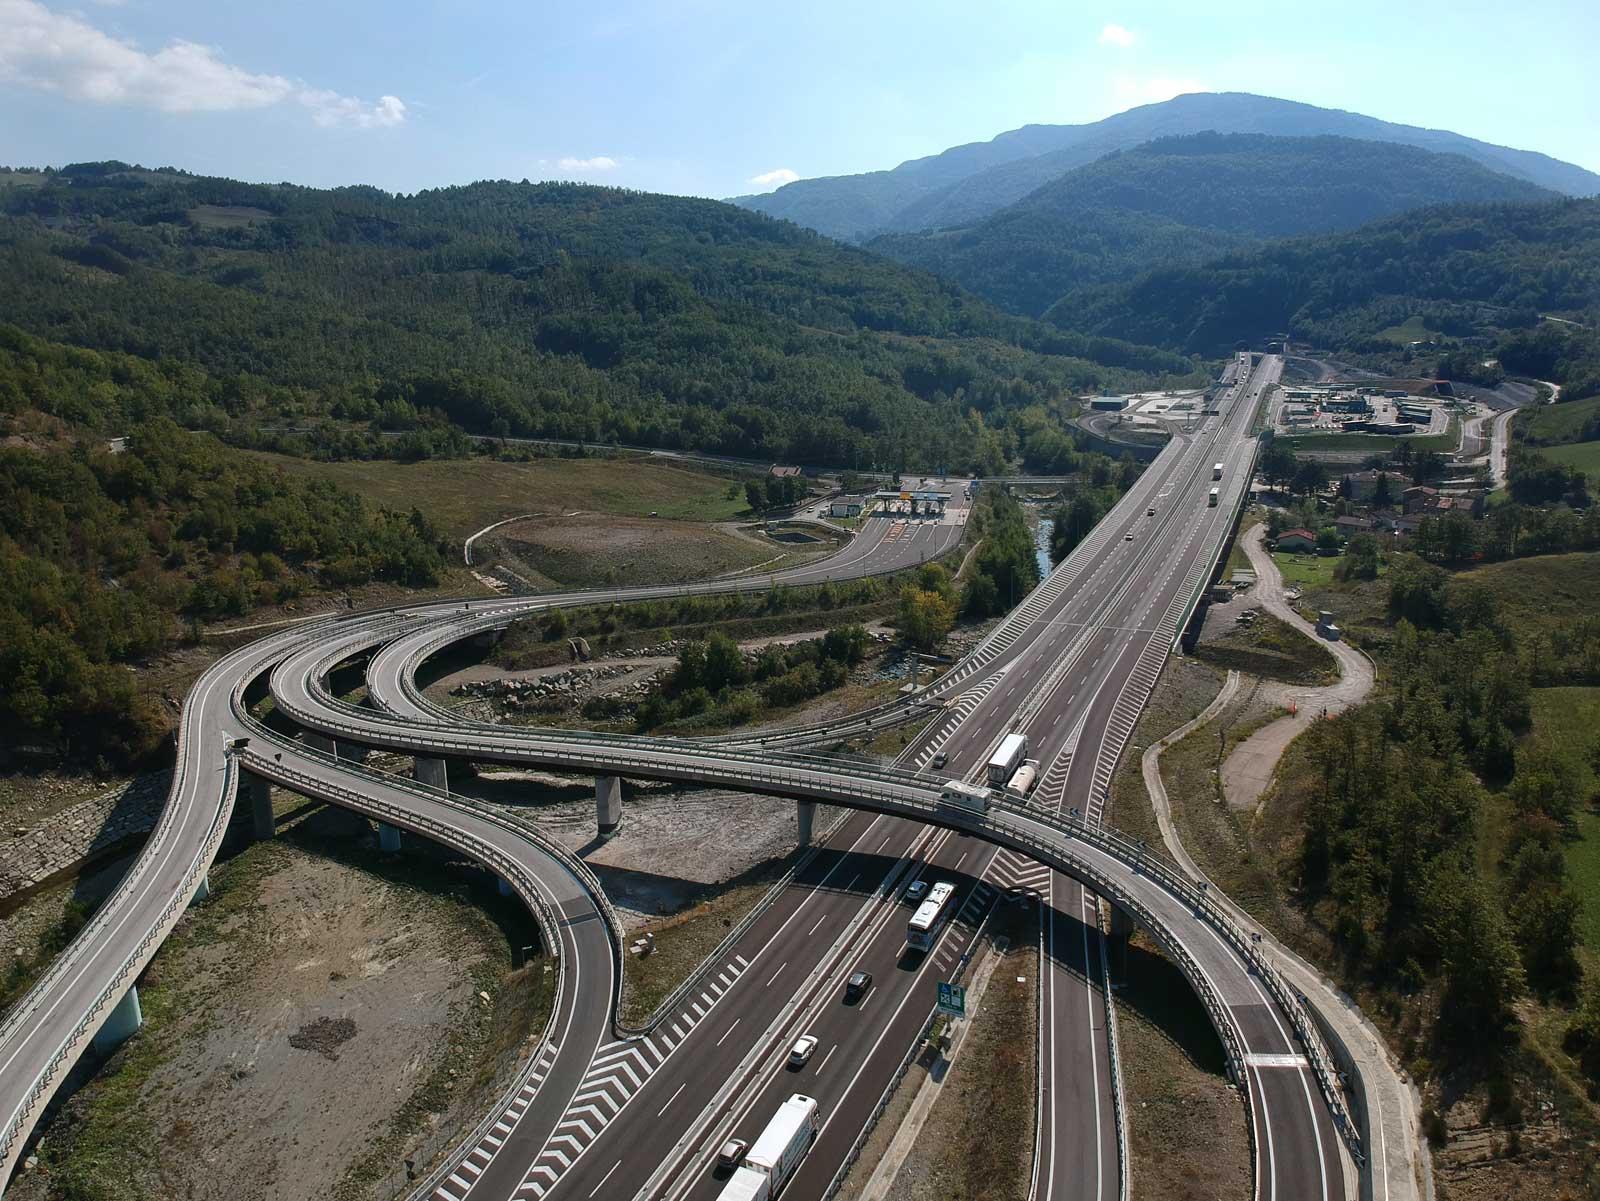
1024,779
1007,757
772,1160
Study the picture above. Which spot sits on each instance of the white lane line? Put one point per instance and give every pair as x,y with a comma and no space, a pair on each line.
729,1031
606,1177
671,1099
776,974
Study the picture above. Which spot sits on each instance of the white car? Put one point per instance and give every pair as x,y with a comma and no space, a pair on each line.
800,1053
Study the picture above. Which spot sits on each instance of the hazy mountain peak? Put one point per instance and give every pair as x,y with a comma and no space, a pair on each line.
966,183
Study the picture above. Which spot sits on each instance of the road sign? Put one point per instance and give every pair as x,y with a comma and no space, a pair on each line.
952,999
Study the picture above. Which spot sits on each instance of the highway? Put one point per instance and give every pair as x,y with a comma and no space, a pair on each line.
593,1110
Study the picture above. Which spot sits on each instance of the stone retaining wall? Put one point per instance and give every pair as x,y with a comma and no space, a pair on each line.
80,833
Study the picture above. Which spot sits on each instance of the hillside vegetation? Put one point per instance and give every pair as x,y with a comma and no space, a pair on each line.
967,183
1183,200
1470,271
551,309
104,557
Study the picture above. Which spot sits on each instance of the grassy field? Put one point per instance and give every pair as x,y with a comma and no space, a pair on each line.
1413,329
1543,592
1583,455
1558,422
1308,571
463,496
1271,648
579,552
1313,444
1570,717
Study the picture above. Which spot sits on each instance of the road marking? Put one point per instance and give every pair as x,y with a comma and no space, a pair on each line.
606,1177
729,1031
827,1057
776,974
671,1099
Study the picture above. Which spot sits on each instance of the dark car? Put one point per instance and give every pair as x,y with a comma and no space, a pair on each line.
857,985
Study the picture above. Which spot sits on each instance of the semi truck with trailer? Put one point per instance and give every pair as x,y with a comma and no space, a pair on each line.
776,1153
1007,757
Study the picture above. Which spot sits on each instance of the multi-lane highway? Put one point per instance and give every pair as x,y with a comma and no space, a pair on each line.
601,1115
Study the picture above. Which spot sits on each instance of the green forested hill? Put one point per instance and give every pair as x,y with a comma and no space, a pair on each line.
1463,270
103,553
1184,200
549,309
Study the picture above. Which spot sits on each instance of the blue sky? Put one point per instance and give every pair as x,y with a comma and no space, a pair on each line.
710,96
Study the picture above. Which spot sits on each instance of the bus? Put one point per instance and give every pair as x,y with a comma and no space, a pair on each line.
924,925
1215,493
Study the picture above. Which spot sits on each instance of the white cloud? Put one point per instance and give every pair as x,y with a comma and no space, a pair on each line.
64,54
330,108
1117,35
775,178
1129,90
585,166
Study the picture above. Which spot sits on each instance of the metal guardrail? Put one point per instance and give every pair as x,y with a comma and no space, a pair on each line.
71,1047
516,875
886,1097
797,776
1118,1103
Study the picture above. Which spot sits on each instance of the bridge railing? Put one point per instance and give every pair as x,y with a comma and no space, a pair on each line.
506,866
917,797
26,1113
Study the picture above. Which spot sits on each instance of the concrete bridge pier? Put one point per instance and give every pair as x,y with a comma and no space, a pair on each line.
126,1018
607,804
1122,928
505,886
202,890
319,742
432,772
805,814
388,837
258,791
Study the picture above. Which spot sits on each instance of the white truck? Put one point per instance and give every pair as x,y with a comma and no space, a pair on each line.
1007,757
961,795
776,1154
1024,779
1216,471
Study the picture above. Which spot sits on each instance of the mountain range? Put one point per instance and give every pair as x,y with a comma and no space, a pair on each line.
967,183
1186,199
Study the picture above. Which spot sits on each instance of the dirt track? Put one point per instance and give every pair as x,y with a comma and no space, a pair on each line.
1249,767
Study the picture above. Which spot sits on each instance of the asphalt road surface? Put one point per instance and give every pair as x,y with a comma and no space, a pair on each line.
593,1115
